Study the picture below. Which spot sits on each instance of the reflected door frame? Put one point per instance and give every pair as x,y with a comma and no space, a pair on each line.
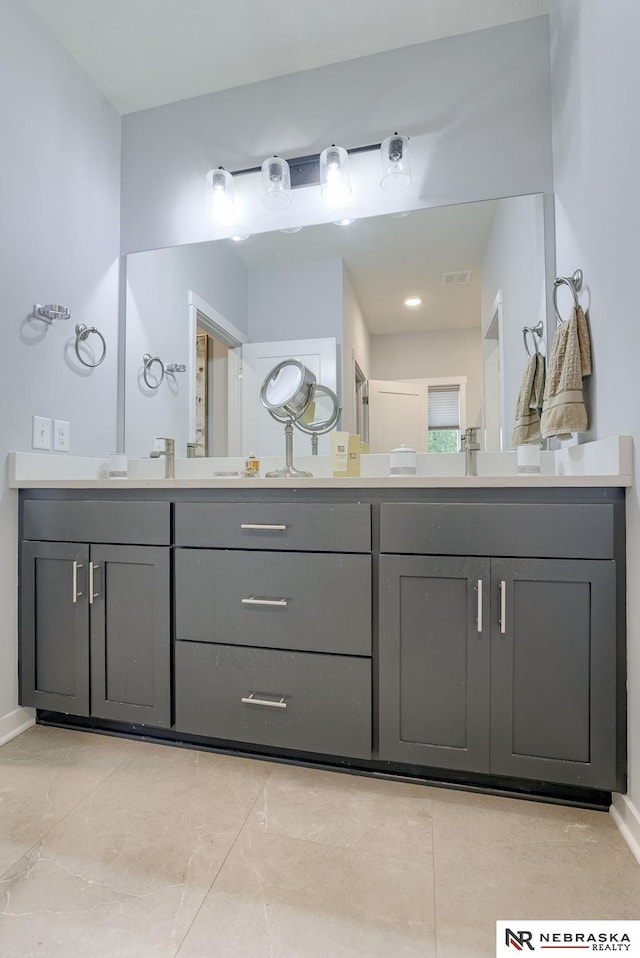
205,317
492,389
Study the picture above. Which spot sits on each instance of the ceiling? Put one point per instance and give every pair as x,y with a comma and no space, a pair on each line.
144,53
389,258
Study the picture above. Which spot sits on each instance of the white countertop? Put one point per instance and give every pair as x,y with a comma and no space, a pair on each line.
605,462
385,482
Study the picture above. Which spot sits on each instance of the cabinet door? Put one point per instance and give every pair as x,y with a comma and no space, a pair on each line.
434,661
553,670
54,627
130,634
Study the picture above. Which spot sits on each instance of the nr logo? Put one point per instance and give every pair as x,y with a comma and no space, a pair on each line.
518,939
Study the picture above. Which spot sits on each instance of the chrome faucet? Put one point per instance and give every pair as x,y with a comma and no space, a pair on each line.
169,453
471,446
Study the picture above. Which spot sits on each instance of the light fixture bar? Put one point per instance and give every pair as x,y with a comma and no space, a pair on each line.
305,170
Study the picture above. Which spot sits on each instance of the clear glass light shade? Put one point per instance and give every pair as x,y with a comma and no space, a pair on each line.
335,179
220,195
396,164
276,183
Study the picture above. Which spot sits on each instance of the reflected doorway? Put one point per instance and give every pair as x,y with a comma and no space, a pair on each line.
212,396
215,399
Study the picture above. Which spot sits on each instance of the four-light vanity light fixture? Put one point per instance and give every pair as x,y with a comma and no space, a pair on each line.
329,169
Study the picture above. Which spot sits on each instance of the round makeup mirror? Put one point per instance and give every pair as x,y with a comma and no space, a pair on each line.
321,415
287,393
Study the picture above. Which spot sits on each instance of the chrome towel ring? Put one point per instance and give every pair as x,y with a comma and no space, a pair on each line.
575,285
83,332
148,361
533,331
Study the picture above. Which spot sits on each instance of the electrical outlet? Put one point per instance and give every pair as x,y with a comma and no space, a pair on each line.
61,435
40,432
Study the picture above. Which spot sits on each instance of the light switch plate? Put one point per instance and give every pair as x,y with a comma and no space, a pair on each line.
61,435
40,432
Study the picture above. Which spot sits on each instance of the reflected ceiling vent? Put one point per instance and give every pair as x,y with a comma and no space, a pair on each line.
460,277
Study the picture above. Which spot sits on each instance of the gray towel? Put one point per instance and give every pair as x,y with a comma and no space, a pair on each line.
527,424
563,409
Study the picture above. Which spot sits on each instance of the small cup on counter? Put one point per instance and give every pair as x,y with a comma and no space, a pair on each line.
528,458
403,461
118,465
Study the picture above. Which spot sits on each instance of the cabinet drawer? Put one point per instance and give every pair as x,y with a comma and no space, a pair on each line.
556,530
58,520
304,601
297,526
313,703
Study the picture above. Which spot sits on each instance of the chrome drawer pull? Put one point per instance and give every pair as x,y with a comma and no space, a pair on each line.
264,527
252,700
479,605
92,595
74,581
282,603
503,607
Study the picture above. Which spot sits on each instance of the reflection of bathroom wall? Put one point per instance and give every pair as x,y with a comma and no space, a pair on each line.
297,301
158,284
356,345
443,352
514,263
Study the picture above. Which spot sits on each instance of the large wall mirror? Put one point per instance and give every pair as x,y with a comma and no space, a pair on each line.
334,296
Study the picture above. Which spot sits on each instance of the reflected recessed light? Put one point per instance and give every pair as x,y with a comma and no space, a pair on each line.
291,229
345,222
240,237
413,301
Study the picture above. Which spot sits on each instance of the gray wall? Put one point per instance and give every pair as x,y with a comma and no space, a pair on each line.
477,107
59,196
298,301
443,352
596,143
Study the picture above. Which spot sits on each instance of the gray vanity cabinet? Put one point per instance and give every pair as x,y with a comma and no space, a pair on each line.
95,618
478,633
502,665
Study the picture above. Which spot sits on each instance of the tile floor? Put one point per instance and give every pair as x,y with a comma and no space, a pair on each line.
117,849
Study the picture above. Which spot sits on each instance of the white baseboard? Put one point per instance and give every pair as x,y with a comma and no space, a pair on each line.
14,723
627,818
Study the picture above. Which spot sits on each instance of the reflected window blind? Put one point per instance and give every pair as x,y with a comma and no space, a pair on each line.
444,407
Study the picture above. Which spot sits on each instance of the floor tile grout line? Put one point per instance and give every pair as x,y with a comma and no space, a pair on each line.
222,864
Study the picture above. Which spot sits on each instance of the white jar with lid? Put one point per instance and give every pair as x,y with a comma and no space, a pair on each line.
403,461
